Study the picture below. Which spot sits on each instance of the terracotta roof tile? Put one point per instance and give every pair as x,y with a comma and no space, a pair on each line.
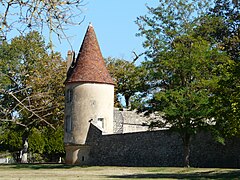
89,65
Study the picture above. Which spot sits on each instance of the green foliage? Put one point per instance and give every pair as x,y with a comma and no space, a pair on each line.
11,140
138,102
128,77
47,141
54,140
220,26
182,82
32,94
226,104
186,66
36,141
170,19
31,82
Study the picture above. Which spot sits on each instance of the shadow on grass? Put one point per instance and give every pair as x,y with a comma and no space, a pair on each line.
234,174
41,166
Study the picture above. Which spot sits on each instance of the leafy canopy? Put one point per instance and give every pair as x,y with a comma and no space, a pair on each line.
31,91
184,67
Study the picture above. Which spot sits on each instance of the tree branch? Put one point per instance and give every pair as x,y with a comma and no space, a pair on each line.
136,56
10,93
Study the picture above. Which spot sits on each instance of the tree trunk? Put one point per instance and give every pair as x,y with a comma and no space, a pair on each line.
23,152
186,144
127,99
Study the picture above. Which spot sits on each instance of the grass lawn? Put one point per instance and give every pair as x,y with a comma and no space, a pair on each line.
60,171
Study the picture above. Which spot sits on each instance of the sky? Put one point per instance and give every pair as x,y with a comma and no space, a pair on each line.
113,22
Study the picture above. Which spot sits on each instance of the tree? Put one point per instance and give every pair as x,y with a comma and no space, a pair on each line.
31,87
226,105
47,143
129,78
183,68
220,26
38,15
169,20
54,146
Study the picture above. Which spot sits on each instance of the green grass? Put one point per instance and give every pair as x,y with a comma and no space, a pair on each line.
60,171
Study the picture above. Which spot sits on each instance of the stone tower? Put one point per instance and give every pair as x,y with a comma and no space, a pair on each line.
89,98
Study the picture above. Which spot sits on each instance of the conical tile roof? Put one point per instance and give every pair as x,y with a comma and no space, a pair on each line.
89,65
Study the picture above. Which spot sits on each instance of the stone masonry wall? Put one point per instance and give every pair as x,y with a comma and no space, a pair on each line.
159,148
125,121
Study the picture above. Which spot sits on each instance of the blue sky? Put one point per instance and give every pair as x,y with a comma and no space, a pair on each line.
114,25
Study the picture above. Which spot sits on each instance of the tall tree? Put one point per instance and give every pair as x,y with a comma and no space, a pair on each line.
31,86
170,19
226,104
183,68
221,26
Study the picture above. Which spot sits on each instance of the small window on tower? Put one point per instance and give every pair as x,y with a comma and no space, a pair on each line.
100,122
68,124
69,95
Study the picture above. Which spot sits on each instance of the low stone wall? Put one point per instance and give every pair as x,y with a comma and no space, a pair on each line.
205,152
159,148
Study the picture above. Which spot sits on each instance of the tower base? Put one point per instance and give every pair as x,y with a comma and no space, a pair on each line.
77,154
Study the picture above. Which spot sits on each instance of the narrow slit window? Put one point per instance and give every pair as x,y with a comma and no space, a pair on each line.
69,95
68,124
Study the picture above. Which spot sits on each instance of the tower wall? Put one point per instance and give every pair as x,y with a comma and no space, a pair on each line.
85,103
89,98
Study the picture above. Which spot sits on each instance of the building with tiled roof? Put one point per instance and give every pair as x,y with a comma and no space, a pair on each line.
95,134
89,98
89,65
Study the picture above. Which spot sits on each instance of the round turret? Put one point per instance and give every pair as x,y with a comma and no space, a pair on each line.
89,98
